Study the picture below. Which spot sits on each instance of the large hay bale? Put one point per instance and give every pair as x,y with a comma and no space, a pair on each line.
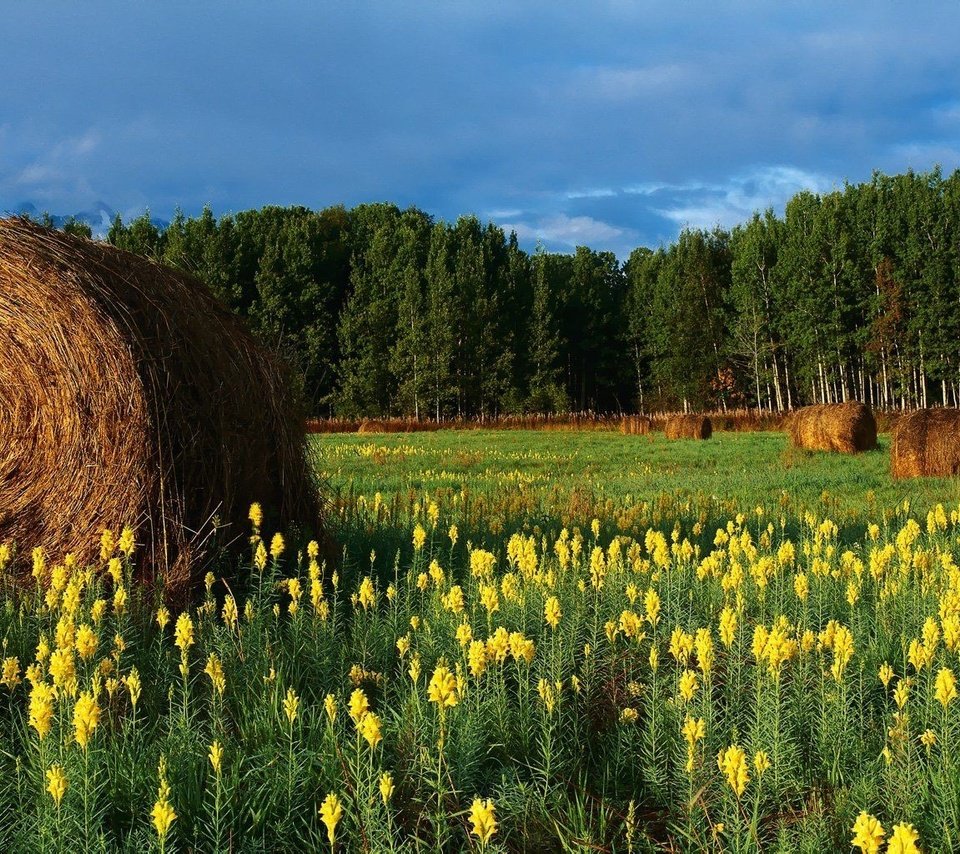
847,428
688,427
926,443
129,395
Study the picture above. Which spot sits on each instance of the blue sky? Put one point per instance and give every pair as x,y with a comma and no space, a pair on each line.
610,124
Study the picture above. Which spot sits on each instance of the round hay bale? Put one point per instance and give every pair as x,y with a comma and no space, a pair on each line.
368,427
847,428
635,425
130,396
926,443
688,427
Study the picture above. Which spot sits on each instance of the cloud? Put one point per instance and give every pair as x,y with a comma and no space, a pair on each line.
55,172
735,200
626,84
568,230
598,193
619,125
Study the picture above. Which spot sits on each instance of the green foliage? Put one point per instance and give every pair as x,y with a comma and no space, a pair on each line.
567,725
848,295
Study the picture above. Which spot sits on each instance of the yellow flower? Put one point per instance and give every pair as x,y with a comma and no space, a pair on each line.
369,728
886,674
681,645
119,599
277,546
419,537
868,833
163,816
291,704
733,765
41,708
127,541
694,729
552,612
256,516
918,655
464,634
477,658
454,601
86,714
115,570
761,761
216,757
903,840
330,814
901,693
107,544
928,739
183,633
11,672
522,648
728,626
442,689
498,645
132,681
86,642
214,670
453,534
367,595
62,667
946,687
260,556
163,617
330,707
688,685
489,598
39,562
56,783
359,705
703,643
386,786
842,651
483,817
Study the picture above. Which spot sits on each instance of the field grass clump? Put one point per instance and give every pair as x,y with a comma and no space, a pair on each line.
530,663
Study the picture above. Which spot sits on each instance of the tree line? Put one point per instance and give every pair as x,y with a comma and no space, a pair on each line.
853,294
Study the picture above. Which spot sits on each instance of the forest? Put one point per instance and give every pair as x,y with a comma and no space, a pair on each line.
852,294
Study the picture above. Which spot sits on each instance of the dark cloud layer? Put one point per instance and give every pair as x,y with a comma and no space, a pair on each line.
608,123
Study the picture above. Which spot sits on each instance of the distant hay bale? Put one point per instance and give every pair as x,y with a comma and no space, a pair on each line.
847,428
688,427
368,427
129,395
635,425
926,443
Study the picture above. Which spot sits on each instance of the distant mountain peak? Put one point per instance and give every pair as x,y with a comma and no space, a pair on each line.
99,216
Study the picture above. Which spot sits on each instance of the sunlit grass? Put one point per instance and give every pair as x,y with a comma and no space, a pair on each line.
528,642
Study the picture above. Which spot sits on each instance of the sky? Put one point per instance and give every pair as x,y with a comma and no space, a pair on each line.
607,123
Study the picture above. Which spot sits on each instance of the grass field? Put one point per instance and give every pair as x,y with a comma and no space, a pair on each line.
548,476
524,642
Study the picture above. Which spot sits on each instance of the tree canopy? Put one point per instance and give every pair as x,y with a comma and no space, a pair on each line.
853,294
